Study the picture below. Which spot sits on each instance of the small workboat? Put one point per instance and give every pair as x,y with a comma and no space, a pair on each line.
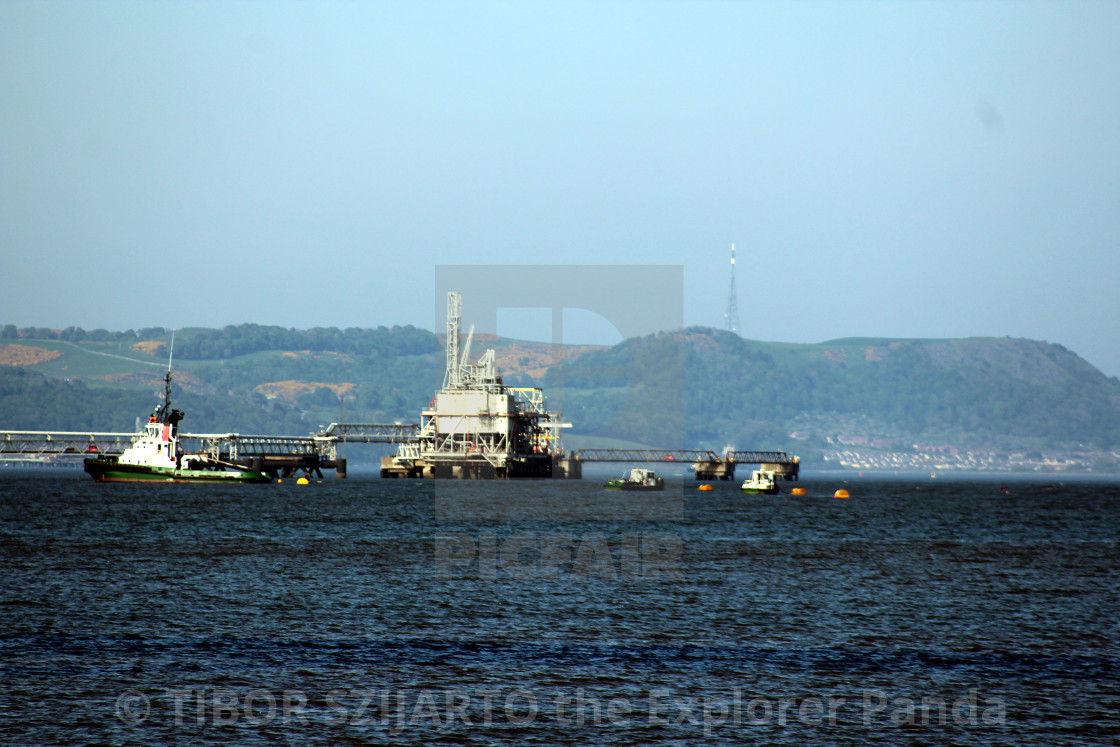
637,479
761,483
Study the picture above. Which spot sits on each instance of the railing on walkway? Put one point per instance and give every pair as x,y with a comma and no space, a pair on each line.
235,445
683,455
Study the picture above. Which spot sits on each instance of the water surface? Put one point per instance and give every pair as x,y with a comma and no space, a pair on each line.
367,611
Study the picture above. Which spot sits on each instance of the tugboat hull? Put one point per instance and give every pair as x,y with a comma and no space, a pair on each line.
110,470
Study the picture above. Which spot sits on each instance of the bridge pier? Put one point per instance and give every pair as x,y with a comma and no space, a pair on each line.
790,470
567,468
718,470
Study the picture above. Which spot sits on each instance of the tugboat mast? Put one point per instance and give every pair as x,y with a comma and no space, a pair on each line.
165,407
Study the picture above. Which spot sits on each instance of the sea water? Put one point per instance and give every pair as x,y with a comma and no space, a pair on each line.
368,611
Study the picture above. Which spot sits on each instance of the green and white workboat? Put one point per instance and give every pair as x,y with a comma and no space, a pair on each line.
157,456
762,482
637,479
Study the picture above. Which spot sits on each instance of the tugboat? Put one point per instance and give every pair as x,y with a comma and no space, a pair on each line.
637,479
156,455
761,483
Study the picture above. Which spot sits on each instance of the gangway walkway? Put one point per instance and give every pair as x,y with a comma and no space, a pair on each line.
373,433
236,444
683,455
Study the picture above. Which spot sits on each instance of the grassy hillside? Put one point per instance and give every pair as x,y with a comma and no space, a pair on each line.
70,360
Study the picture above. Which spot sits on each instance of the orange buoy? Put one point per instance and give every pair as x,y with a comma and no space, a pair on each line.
800,491
705,487
841,494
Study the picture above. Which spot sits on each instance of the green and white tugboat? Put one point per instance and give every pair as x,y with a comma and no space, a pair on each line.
637,479
762,482
157,456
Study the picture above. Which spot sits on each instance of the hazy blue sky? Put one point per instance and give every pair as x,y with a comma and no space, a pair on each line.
898,169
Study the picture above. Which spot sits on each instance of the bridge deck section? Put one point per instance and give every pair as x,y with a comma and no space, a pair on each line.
683,455
237,445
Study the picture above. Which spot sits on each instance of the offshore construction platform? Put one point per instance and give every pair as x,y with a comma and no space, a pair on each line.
476,427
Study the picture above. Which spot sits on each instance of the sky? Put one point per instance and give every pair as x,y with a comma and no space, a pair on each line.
884,169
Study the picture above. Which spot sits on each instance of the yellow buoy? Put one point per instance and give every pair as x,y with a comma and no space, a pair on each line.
303,481
841,494
705,487
800,491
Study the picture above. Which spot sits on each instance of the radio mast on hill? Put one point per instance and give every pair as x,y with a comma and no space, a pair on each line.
732,305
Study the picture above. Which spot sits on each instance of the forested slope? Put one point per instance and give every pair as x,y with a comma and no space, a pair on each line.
970,392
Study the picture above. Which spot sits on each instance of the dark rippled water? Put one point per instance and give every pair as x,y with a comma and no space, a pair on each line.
363,611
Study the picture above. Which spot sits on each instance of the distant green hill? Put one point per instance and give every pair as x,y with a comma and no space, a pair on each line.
970,393
697,387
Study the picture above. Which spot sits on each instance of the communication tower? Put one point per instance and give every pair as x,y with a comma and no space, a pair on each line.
732,305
